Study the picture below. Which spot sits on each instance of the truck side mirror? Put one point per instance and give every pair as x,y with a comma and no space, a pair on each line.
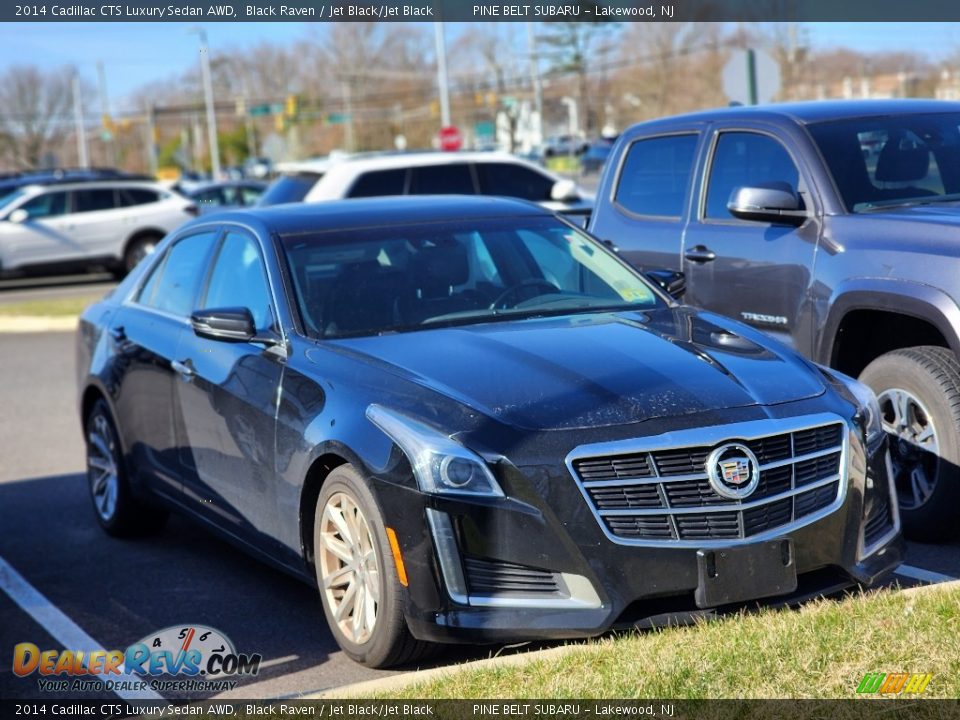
18,216
767,204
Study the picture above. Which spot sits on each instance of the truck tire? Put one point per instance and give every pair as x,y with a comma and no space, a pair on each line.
919,393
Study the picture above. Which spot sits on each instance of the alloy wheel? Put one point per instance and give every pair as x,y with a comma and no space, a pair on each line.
102,467
913,448
349,570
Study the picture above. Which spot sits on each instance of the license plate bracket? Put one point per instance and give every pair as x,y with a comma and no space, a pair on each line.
745,572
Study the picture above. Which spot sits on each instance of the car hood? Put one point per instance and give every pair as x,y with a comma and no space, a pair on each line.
596,370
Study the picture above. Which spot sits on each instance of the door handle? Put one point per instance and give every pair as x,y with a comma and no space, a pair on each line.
184,368
700,254
118,333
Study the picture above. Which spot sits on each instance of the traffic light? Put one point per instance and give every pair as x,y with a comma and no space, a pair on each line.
292,107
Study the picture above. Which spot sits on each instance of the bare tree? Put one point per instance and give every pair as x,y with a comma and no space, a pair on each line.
33,108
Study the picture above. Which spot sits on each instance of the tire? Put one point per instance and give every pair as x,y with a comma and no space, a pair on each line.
137,250
919,393
117,511
381,638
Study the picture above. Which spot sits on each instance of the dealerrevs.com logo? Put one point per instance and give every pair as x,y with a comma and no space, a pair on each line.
202,657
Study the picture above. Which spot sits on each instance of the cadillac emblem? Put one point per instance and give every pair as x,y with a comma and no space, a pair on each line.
733,471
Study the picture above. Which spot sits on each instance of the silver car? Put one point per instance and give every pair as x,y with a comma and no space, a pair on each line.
114,224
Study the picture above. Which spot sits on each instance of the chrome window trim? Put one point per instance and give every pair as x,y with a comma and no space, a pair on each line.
705,437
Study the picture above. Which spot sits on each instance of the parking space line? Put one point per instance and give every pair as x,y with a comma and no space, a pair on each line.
61,627
916,573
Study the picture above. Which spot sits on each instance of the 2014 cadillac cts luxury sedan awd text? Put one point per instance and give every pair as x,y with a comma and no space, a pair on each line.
466,420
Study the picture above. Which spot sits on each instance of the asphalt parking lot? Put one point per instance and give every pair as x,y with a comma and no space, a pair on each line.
114,592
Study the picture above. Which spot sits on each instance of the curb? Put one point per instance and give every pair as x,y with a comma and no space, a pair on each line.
38,323
404,680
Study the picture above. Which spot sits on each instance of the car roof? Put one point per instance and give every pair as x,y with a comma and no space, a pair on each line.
388,160
374,212
89,184
814,111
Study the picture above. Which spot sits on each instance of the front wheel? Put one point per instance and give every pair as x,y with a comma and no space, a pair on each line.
919,393
137,250
357,576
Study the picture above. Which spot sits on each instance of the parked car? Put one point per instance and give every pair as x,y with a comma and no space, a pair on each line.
832,226
110,223
211,197
426,173
464,419
596,156
564,145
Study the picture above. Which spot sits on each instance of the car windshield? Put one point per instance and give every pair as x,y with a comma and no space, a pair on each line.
7,200
407,277
894,160
289,189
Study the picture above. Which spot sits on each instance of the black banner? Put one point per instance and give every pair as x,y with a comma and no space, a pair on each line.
857,709
478,10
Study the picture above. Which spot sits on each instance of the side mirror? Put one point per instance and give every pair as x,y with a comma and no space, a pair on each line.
18,216
564,191
227,324
672,282
766,204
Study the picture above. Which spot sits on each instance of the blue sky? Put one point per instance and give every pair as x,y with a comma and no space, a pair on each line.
136,53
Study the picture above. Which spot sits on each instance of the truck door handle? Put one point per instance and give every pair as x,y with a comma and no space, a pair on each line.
700,254
184,368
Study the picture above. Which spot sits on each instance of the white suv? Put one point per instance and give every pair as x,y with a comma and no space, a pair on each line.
425,173
111,223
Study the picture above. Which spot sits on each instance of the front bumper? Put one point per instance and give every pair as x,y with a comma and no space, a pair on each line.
477,567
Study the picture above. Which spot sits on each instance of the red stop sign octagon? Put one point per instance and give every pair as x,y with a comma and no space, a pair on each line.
450,138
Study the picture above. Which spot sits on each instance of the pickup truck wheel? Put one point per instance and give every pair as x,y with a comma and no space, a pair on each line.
357,577
919,393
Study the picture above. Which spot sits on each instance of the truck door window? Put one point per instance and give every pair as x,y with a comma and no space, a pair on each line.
744,159
656,176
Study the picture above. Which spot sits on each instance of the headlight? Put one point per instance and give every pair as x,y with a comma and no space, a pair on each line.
440,464
868,407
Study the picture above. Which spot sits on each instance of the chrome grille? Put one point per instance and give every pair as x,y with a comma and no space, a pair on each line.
656,491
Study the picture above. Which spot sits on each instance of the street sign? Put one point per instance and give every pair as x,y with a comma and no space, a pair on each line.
751,77
450,138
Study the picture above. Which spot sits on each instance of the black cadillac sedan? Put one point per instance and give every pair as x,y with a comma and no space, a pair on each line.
464,419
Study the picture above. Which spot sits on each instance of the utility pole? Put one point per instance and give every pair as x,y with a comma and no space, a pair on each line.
348,106
151,133
535,79
208,98
108,137
442,74
81,131
248,121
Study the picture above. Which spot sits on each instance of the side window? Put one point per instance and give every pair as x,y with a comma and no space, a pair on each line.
238,279
93,200
744,159
136,196
513,181
379,182
45,206
454,179
656,175
173,285
250,194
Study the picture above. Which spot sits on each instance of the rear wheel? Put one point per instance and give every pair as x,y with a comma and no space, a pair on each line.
919,393
117,511
357,577
137,250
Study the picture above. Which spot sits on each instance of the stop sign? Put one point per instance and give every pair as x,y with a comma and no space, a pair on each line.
450,138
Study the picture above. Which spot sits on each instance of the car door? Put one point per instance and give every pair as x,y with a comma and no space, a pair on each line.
42,237
649,200
757,272
228,397
146,332
97,224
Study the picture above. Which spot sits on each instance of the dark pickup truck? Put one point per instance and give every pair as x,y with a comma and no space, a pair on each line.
833,226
